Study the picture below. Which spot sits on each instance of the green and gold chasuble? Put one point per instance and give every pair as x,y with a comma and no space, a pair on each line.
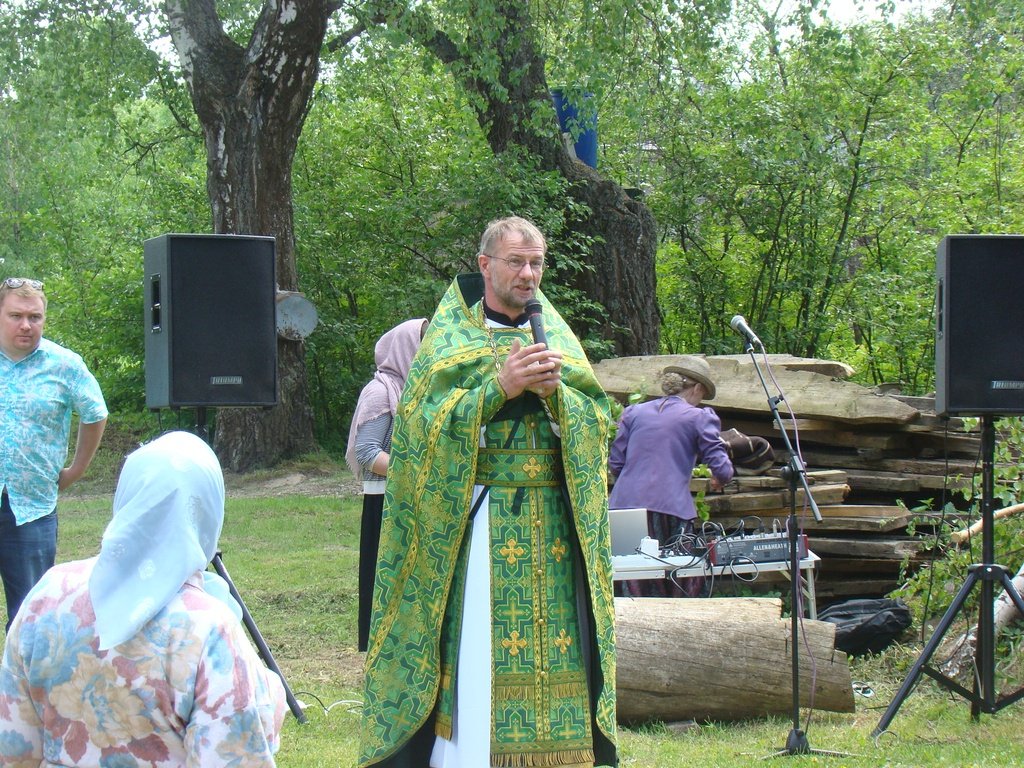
553,659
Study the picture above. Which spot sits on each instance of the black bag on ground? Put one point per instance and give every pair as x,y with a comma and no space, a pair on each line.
867,626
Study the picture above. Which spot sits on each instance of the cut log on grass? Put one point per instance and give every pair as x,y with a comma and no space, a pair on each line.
964,536
722,659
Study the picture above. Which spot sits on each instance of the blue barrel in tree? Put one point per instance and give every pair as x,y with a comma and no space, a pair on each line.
577,116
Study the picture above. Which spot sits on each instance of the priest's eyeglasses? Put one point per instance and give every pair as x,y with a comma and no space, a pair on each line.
516,265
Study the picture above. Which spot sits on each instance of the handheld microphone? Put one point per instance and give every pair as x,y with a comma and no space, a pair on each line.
739,324
533,314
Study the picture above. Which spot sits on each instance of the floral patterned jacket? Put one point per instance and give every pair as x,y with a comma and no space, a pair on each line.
187,690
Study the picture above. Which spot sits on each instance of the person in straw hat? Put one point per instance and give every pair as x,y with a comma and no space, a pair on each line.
656,447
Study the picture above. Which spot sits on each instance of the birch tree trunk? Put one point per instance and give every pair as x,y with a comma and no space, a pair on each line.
252,102
960,653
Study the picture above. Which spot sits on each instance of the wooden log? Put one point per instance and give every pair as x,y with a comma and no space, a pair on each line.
866,517
770,480
964,536
825,432
860,518
897,482
926,407
721,659
766,427
825,476
935,445
925,404
845,438
809,394
835,566
848,460
878,511
851,524
829,523
834,369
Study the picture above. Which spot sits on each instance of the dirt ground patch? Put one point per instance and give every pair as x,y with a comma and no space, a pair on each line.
316,475
288,481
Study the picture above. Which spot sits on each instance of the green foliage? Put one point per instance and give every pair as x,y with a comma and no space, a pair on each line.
801,172
394,184
703,508
93,167
805,179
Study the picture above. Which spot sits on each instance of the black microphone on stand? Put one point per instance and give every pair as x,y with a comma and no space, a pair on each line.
533,314
739,324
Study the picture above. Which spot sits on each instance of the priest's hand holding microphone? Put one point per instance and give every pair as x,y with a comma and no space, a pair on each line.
535,367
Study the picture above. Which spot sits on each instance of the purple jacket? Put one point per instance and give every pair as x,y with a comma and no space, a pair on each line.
655,450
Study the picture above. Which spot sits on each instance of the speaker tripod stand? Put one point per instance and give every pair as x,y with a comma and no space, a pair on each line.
247,619
984,574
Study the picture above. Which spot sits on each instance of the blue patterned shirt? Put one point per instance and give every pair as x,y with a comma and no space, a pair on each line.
37,396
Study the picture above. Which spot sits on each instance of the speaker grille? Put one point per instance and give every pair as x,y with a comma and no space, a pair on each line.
979,368
211,336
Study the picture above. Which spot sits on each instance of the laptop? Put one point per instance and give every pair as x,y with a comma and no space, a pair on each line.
628,527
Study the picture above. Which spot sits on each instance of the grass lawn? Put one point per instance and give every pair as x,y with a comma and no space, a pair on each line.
293,559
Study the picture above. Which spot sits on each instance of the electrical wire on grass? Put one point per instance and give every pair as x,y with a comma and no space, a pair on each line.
352,706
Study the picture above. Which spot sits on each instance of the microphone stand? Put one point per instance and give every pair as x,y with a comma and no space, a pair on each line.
795,473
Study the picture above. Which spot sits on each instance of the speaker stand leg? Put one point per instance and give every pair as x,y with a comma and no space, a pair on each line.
250,624
921,665
200,428
986,573
257,638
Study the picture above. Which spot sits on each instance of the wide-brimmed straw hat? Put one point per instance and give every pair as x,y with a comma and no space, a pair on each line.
695,369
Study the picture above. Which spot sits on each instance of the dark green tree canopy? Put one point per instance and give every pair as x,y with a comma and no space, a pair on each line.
782,167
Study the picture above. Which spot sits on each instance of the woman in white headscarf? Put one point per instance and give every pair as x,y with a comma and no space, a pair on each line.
369,447
137,656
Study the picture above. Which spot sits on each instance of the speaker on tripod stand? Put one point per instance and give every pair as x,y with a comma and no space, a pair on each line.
211,340
979,367
979,371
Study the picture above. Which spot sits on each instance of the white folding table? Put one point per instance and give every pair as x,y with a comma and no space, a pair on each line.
642,566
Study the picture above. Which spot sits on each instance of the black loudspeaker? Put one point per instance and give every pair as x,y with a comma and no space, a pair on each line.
979,365
211,332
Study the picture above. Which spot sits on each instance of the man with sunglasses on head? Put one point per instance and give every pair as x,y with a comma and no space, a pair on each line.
492,637
43,383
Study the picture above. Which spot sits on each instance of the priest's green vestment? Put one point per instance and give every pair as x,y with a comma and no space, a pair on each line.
545,467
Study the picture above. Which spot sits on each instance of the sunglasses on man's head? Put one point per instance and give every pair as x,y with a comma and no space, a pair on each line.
18,282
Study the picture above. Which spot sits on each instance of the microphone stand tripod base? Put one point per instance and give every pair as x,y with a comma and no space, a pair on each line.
797,744
794,474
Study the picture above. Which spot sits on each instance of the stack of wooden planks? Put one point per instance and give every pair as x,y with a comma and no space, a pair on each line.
873,460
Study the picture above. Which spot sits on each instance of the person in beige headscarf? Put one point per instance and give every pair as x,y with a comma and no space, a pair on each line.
369,447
